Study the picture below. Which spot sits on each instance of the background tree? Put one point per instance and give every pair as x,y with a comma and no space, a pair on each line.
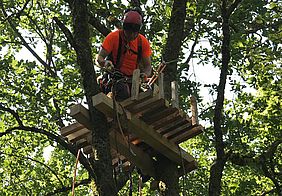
46,66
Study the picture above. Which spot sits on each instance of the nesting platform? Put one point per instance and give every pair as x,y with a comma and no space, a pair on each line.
143,126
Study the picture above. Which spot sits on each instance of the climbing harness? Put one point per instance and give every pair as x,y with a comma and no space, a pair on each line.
123,46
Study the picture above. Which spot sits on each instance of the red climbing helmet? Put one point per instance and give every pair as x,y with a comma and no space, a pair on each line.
132,21
133,17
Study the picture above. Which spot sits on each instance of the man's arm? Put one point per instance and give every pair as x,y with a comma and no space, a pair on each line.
100,58
146,66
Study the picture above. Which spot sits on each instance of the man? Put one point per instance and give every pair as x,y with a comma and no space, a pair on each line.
126,50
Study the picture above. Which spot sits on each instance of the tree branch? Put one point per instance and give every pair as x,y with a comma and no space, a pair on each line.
72,149
197,35
264,160
15,114
18,14
65,189
194,45
244,160
66,31
98,25
52,171
25,43
221,158
262,26
233,7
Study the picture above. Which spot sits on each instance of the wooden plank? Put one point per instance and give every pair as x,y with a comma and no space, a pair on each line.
188,134
194,110
128,103
164,120
65,131
142,160
156,90
72,131
147,134
135,155
126,166
151,110
169,124
79,112
174,94
117,158
135,84
176,130
139,107
148,107
159,115
161,85
159,143
74,137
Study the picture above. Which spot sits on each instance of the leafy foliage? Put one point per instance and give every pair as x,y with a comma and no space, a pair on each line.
36,91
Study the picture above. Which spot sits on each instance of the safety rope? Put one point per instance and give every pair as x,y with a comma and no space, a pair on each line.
117,120
74,172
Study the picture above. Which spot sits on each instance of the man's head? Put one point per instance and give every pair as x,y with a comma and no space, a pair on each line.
132,23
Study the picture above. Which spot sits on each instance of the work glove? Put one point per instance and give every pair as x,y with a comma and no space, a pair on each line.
144,77
108,65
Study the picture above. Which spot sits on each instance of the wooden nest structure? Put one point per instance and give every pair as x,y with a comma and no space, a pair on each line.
147,125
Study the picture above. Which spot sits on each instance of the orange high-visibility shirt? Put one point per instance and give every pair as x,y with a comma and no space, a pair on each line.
128,60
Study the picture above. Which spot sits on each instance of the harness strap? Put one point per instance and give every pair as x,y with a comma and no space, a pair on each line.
139,55
121,48
118,64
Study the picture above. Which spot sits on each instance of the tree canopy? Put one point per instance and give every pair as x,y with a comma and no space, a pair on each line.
47,49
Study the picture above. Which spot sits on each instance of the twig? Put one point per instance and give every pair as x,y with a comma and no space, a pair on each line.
25,43
24,157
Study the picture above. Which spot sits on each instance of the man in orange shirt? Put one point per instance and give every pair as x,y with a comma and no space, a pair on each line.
126,50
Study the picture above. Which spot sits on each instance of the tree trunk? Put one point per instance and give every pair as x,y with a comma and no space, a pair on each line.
173,44
101,163
218,166
167,172
167,169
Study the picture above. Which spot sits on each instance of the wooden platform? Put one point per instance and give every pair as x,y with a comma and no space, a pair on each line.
147,125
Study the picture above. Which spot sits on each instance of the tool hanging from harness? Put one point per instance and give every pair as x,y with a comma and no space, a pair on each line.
108,79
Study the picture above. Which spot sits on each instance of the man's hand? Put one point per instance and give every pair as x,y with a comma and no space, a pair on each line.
108,65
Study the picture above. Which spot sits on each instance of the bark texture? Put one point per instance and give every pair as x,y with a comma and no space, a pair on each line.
167,172
221,156
167,169
174,42
101,163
